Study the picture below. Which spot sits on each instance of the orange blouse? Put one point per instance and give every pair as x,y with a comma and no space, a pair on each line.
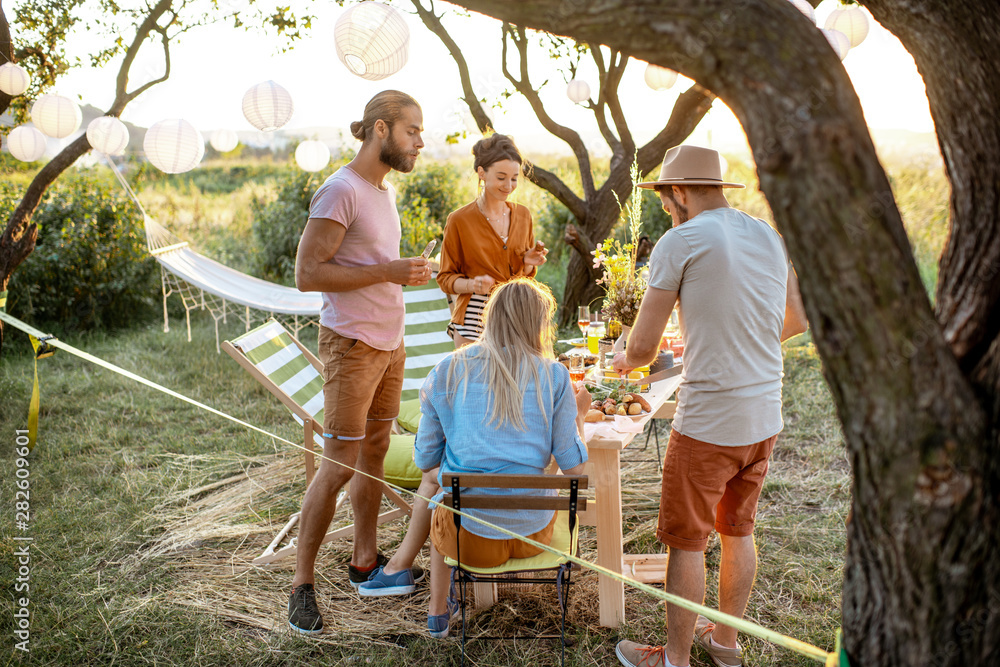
472,248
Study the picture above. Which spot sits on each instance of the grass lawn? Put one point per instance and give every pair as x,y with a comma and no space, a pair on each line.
135,562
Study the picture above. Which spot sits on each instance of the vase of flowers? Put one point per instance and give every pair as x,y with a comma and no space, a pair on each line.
623,286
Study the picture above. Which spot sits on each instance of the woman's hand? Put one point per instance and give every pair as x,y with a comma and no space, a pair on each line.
536,256
482,284
583,399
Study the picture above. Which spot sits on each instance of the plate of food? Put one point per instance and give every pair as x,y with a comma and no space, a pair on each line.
575,342
621,400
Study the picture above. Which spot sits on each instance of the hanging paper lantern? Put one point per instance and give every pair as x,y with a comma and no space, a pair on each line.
56,116
108,135
372,40
312,155
578,90
224,140
804,7
839,41
14,79
174,146
852,21
25,143
267,106
658,78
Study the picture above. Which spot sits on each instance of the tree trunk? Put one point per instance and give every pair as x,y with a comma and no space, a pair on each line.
6,56
922,579
959,574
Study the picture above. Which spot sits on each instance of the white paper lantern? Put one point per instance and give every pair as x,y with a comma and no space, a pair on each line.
578,90
804,7
108,135
56,116
174,146
372,40
25,143
267,106
659,78
852,21
224,140
312,155
14,79
839,41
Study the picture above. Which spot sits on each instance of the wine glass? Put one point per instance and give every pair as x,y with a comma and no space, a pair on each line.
583,319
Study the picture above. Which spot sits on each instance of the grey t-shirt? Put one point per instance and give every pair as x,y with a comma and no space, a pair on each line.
731,272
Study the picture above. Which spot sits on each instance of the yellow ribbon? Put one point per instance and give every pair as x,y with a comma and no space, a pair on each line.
837,658
42,350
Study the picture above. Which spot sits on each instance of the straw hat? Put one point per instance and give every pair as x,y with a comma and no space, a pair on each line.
690,165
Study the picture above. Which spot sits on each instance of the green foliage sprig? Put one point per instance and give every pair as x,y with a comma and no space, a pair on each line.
623,286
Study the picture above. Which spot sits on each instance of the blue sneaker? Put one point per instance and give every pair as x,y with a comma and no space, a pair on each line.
439,625
381,584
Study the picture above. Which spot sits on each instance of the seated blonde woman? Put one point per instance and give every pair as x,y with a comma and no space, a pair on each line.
502,405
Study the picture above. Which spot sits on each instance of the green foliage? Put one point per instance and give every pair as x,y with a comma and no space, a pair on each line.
216,179
436,187
278,224
90,268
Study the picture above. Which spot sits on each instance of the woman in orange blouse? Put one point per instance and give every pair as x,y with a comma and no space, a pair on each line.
488,241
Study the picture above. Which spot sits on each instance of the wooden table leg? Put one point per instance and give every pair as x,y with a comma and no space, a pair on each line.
608,498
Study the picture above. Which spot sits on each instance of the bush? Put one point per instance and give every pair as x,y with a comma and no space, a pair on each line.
278,224
425,197
90,267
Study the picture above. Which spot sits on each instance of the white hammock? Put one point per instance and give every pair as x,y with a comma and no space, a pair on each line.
204,283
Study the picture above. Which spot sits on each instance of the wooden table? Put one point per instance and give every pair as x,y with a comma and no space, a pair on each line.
605,446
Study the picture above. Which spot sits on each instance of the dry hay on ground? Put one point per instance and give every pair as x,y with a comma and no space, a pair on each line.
211,534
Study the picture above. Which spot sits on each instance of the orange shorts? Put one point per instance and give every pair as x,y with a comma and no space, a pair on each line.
359,383
703,482
482,551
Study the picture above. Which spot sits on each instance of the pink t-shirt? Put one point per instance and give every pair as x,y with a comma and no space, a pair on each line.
372,314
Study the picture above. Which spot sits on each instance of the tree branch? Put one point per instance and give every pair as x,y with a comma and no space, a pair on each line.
690,108
433,22
523,86
6,55
551,183
616,69
602,122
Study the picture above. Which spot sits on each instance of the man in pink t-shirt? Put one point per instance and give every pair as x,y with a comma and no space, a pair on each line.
350,251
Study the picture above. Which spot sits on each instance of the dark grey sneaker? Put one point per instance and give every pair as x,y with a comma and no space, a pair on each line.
357,577
303,614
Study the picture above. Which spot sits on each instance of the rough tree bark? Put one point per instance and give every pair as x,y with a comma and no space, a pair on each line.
596,211
6,56
922,580
19,236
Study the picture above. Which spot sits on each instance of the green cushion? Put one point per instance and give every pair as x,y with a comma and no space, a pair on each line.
409,414
399,467
542,561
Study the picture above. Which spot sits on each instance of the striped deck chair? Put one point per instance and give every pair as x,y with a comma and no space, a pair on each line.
293,374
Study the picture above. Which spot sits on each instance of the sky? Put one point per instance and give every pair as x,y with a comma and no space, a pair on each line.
213,66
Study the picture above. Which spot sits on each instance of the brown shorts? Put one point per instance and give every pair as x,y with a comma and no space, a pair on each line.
359,383
482,551
702,482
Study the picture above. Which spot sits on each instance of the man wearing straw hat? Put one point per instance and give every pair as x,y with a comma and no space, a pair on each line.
738,298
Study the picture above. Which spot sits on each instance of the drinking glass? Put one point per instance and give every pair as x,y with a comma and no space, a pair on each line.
583,319
577,367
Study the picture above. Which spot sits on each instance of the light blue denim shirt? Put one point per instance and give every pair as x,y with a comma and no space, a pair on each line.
455,434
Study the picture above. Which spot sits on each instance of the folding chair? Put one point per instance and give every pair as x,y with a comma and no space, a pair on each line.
288,370
565,537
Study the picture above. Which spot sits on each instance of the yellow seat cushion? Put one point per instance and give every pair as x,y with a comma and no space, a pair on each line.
399,466
409,414
561,540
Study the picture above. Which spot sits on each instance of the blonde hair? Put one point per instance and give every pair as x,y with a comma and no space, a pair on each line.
386,106
517,331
